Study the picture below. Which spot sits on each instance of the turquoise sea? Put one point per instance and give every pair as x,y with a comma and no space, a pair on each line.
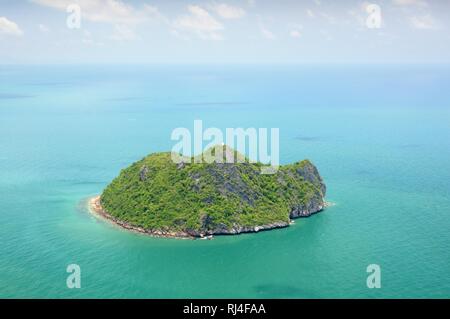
379,135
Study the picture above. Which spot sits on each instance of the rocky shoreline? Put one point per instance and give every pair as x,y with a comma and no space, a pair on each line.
96,208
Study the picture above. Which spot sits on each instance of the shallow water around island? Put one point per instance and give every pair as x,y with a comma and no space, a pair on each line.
378,135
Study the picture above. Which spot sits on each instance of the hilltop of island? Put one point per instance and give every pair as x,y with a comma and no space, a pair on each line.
159,197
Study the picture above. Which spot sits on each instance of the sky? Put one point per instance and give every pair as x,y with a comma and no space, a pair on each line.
216,31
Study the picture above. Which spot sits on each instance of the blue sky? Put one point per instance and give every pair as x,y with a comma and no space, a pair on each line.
257,31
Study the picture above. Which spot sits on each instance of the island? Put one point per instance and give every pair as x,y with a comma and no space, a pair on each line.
159,197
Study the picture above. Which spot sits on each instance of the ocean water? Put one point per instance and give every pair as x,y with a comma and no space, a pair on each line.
379,135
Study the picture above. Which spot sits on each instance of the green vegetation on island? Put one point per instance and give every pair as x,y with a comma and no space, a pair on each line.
160,197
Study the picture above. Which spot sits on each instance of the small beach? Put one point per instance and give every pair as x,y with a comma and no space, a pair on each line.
95,207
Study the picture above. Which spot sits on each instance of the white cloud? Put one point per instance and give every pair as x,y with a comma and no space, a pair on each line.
426,22
43,28
123,33
359,14
326,34
227,11
89,40
122,16
310,13
153,13
200,22
296,30
264,31
179,35
422,3
295,34
267,33
107,11
9,27
329,18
